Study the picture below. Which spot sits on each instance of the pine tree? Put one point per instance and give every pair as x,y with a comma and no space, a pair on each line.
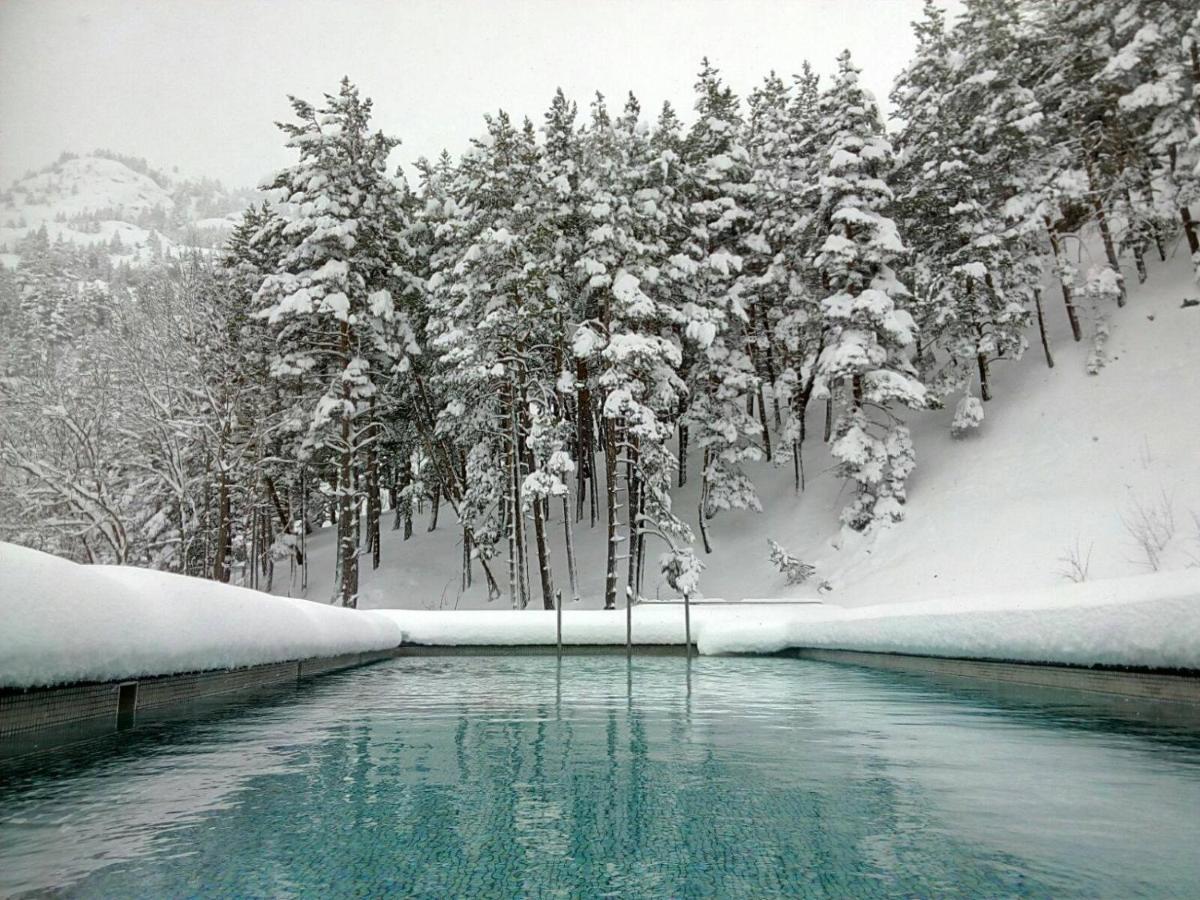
721,380
331,298
863,366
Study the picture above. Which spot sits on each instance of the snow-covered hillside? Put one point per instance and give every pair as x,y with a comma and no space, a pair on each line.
1065,465
118,202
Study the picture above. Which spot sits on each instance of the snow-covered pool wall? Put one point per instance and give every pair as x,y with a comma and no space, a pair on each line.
1150,621
62,623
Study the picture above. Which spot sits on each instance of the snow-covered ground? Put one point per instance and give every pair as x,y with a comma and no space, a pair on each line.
61,622
1064,464
1147,620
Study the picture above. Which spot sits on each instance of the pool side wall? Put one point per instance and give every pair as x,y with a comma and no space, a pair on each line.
42,717
1171,688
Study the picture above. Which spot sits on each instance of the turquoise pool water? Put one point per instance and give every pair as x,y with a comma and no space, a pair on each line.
513,776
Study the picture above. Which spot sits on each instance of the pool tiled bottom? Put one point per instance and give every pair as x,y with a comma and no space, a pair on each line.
530,777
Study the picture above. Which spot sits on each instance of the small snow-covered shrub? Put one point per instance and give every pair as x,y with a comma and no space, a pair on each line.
794,570
1075,563
967,415
1151,525
682,569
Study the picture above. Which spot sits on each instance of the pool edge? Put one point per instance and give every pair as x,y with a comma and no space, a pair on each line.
45,718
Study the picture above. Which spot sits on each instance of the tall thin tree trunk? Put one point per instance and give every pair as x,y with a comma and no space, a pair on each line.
224,543
569,537
434,504
1110,250
633,501
303,530
347,495
583,438
517,503
1139,243
1190,230
374,504
1067,292
610,480
762,418
703,519
683,452
510,531
772,373
1041,320
985,387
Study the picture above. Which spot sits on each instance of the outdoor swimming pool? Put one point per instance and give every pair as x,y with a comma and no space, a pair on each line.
498,776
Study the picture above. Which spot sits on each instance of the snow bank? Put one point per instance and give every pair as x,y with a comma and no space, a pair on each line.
1150,621
61,622
653,623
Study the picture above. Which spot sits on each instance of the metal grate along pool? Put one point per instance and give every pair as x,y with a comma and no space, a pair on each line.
538,777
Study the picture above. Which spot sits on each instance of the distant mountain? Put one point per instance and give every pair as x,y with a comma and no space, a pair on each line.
120,201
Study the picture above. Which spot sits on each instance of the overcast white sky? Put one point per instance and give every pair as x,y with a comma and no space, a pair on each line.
198,83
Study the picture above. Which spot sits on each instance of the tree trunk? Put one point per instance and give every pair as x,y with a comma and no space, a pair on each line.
1068,294
441,456
282,513
347,496
569,537
434,504
1190,230
828,418
683,451
517,507
700,507
762,418
347,544
1041,320
985,388
1139,242
511,535
224,545
539,529
466,560
583,439
374,505
772,377
1110,250
610,478
633,501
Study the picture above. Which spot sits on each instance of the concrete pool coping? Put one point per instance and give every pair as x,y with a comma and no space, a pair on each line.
36,719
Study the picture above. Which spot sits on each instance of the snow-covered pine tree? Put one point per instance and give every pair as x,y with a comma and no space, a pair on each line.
629,340
722,384
331,297
1154,73
965,197
864,365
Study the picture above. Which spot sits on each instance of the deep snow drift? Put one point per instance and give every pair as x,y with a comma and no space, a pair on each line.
1062,465
62,622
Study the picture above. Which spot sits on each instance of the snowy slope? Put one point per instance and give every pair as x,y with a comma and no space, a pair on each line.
82,185
1063,458
62,622
87,200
